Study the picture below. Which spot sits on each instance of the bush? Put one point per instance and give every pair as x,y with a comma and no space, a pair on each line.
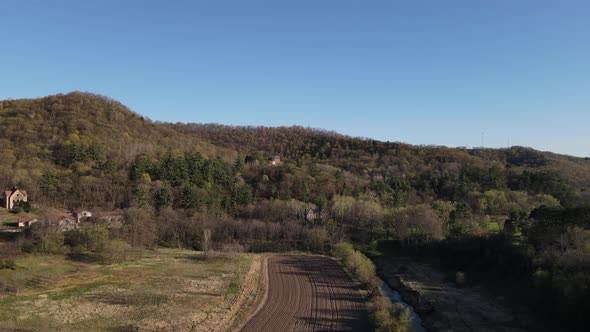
115,251
343,251
49,242
402,319
386,316
358,264
95,238
7,263
315,239
365,271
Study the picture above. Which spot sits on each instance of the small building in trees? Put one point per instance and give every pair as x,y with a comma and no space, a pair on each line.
25,222
13,198
313,214
80,215
66,224
275,160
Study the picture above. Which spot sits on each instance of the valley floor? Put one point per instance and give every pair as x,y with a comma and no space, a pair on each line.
444,306
163,290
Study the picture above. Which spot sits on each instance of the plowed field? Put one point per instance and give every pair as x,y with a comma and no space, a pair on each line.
309,293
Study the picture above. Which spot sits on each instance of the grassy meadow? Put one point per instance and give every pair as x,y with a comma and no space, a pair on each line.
164,290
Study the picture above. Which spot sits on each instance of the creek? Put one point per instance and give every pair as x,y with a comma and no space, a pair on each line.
395,297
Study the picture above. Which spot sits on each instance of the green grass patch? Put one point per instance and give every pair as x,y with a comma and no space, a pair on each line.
493,227
232,289
370,249
45,264
34,272
11,300
8,306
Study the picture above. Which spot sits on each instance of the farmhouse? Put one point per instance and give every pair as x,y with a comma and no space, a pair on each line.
13,198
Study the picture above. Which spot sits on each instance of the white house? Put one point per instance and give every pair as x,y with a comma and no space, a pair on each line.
80,215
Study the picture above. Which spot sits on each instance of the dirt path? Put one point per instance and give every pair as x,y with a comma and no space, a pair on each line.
309,293
247,297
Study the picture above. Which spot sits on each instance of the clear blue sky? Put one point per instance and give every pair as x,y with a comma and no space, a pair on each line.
422,72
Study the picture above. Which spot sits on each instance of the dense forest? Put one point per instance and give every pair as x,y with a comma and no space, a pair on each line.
171,181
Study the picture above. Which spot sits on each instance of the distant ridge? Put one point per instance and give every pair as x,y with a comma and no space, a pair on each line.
79,133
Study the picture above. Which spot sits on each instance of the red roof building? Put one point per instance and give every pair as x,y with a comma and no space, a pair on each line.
13,198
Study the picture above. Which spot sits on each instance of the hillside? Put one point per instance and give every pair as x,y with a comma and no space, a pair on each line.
90,136
341,151
84,145
108,126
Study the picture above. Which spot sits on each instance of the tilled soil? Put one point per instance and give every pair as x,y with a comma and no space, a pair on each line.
309,293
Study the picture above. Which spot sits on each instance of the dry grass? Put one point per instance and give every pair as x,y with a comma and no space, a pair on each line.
163,290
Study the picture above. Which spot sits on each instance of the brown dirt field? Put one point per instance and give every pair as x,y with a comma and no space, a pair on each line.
309,293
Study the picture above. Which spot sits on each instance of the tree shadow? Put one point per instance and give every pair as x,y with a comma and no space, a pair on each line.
125,328
130,298
200,257
89,258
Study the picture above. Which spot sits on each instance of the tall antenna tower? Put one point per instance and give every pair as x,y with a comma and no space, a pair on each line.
482,139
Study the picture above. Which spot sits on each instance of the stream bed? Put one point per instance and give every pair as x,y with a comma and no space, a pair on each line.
395,297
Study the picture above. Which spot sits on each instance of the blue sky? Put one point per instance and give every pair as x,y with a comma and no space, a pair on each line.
422,72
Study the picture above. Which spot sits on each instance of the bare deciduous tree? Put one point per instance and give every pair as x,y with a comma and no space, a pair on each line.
206,241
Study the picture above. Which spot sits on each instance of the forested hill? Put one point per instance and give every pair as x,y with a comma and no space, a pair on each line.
40,127
382,158
83,149
83,134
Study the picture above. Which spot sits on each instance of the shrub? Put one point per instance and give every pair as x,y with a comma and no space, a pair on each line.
314,240
7,263
95,238
365,271
115,251
49,242
402,319
342,251
386,317
358,264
